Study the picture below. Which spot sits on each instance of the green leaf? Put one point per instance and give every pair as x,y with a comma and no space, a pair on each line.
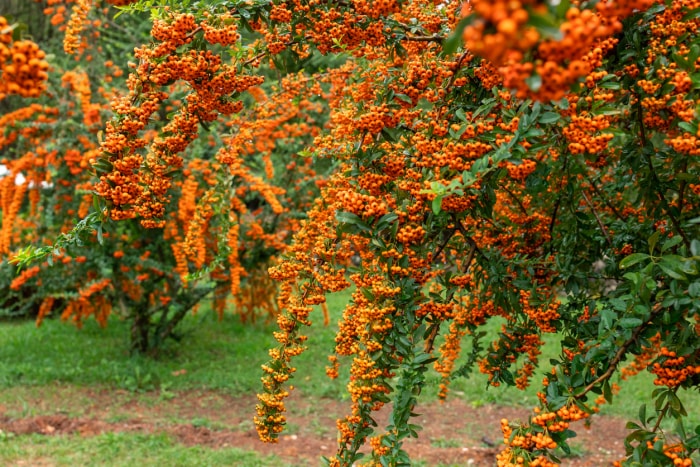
629,323
670,243
346,217
607,392
653,240
549,117
534,82
424,358
459,113
545,25
452,43
670,268
691,15
563,8
350,219
675,403
607,316
403,98
386,220
437,204
633,259
486,107
391,134
688,127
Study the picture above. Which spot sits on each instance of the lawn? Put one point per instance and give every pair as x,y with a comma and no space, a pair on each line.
207,383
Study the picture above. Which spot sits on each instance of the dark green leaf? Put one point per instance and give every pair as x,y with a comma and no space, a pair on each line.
633,259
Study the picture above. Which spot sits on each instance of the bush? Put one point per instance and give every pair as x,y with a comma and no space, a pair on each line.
488,159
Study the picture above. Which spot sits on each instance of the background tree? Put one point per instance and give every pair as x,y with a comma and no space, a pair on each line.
234,222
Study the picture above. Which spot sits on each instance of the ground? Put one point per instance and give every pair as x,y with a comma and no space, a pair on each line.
454,433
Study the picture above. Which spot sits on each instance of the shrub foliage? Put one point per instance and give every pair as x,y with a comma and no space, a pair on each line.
535,161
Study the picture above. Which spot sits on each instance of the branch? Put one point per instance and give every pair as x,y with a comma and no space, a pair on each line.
434,38
450,234
655,179
557,203
516,199
193,32
661,416
620,355
467,238
597,218
454,73
262,54
663,413
681,188
430,341
187,304
605,200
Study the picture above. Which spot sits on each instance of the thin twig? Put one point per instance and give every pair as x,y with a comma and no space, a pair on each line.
660,418
193,33
605,200
681,188
450,234
557,203
454,73
597,218
467,238
663,413
434,38
516,199
262,54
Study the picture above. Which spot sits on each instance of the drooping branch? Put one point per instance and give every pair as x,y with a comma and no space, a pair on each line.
656,182
430,340
621,353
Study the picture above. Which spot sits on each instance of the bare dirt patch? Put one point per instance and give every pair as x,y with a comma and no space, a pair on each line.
453,432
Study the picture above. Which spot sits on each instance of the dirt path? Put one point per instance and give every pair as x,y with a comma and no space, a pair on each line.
453,433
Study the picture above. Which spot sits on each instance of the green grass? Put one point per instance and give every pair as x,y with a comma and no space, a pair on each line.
121,449
226,356
216,355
